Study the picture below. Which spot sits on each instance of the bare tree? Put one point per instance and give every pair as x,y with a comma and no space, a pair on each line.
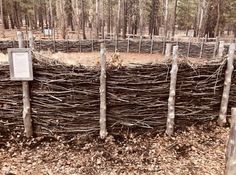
97,18
76,14
174,18
2,20
166,17
141,4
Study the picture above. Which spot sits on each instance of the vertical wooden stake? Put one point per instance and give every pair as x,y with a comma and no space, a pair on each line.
189,46
221,49
152,40
128,44
171,100
216,47
26,98
92,45
103,129
168,50
231,147
227,84
31,40
164,44
202,47
116,44
140,44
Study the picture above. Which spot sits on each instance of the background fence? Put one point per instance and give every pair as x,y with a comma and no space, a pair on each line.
186,49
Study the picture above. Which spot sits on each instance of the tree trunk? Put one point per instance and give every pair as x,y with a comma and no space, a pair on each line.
102,19
109,18
83,19
2,20
97,18
218,18
166,18
76,16
174,18
118,19
141,4
124,19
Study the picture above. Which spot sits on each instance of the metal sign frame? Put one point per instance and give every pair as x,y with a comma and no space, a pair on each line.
27,62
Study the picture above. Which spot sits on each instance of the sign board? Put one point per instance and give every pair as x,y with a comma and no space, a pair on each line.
191,33
47,31
20,62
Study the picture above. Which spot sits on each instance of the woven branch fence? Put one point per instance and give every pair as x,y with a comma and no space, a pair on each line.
186,49
65,99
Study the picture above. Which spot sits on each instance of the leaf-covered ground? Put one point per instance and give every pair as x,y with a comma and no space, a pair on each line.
198,150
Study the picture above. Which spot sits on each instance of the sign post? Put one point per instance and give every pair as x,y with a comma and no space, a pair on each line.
21,69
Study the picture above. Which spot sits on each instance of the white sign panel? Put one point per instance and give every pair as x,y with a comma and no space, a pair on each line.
47,31
20,62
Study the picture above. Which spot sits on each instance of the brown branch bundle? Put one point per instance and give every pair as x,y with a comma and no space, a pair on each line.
65,99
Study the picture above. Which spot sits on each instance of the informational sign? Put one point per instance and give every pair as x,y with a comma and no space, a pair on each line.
47,31
191,33
20,62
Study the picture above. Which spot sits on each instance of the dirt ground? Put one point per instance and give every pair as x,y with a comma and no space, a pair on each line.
199,150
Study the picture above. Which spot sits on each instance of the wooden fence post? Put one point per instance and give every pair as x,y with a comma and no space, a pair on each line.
128,44
140,44
231,147
171,100
189,46
227,84
221,49
164,44
216,47
168,50
103,129
202,47
26,98
152,40
31,40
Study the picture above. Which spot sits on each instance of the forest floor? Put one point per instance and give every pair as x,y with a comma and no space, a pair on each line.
198,150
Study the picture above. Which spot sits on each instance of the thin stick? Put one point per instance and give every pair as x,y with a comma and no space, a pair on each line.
103,129
227,84
171,100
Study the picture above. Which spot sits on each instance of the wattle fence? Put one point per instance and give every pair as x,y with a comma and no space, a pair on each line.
65,99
